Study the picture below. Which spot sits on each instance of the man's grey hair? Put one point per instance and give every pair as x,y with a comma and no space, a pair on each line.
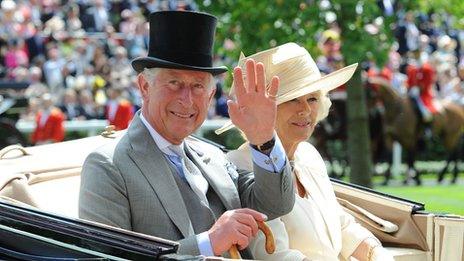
151,73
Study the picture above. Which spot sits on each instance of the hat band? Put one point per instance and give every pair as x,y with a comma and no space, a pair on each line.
191,59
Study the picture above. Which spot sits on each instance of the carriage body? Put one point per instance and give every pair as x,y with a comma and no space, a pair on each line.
46,178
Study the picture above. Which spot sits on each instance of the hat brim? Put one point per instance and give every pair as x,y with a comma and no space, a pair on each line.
325,84
139,64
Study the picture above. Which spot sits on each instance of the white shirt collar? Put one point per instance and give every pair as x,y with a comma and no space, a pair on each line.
160,141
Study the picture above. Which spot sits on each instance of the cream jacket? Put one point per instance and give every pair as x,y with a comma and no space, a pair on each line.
317,227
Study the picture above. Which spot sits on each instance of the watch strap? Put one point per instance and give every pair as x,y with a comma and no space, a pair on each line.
265,146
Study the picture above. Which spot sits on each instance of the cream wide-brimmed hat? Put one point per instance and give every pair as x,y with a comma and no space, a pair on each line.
297,71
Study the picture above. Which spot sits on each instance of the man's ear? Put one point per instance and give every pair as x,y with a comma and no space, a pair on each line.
143,85
213,91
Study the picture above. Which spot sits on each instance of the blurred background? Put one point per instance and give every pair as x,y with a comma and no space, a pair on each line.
397,126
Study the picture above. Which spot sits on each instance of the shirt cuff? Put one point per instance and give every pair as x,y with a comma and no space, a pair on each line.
275,162
204,244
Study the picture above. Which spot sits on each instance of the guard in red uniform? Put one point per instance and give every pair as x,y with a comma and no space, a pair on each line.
421,78
386,73
118,111
49,123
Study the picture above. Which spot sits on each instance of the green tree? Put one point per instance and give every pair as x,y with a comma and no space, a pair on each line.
257,25
455,8
359,45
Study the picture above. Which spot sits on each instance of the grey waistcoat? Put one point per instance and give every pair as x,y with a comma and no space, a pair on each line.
202,216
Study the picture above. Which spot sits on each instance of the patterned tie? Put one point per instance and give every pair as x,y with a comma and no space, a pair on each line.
192,174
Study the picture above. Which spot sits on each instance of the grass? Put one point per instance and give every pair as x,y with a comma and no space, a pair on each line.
443,199
438,198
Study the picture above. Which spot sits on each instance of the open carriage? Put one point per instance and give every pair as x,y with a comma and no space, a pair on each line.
39,189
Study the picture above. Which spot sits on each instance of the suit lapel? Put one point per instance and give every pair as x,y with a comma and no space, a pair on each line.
217,176
154,166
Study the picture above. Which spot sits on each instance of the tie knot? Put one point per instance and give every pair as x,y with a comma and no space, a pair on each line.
177,150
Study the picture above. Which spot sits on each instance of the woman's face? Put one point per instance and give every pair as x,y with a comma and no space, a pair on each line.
296,118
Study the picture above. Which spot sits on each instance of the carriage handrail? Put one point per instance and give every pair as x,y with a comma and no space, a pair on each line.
416,206
14,147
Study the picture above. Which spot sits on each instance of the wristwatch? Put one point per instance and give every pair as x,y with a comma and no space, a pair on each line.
265,146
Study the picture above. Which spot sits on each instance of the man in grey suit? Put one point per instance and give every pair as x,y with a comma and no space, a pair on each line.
158,180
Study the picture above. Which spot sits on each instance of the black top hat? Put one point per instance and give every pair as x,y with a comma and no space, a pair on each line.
180,40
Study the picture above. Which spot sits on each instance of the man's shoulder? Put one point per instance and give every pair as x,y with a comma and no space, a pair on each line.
112,146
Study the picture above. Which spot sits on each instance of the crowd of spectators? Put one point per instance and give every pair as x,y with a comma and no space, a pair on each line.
79,53
425,63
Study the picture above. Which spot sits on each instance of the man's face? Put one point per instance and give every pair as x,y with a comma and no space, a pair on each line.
175,102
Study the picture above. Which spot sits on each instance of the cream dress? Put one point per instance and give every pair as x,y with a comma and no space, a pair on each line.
317,227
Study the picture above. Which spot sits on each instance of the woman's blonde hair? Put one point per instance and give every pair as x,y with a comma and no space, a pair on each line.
324,106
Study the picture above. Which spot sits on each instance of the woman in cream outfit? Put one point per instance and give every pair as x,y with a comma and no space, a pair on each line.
317,228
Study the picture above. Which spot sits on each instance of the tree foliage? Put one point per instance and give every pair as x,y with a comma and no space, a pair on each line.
257,25
453,7
366,35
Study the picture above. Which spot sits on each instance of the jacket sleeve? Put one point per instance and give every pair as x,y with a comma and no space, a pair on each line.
352,233
282,252
267,192
189,246
109,206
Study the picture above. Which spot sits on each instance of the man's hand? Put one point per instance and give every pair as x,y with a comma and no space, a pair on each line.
234,227
254,111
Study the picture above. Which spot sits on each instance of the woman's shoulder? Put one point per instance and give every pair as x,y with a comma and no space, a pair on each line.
307,148
306,152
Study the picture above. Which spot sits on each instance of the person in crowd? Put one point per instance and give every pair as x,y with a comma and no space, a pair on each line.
220,107
128,22
100,62
331,58
450,84
49,123
317,228
36,87
16,55
118,110
421,79
33,107
70,105
407,34
445,54
89,80
88,109
399,79
9,20
52,70
100,16
159,181
119,63
73,23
